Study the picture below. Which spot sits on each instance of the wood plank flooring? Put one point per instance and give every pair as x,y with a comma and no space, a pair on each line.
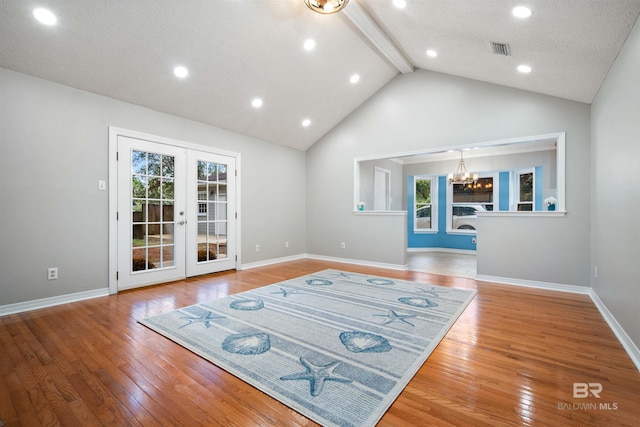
445,263
511,359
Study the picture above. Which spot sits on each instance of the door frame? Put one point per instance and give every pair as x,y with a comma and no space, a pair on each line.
381,183
114,133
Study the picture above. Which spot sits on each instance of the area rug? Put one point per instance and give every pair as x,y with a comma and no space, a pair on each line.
336,346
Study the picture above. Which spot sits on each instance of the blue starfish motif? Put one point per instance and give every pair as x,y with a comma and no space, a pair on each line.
431,292
341,274
317,375
205,319
395,317
286,292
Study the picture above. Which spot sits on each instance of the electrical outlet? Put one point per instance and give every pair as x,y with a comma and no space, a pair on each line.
286,244
52,273
102,185
257,248
595,271
343,245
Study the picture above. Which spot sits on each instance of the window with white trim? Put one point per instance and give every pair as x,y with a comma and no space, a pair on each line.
466,200
202,205
425,210
525,190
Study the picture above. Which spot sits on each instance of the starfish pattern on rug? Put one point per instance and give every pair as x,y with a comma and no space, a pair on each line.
341,274
325,355
205,319
317,375
431,292
392,316
286,292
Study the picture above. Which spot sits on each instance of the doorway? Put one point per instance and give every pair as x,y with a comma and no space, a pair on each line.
175,211
381,189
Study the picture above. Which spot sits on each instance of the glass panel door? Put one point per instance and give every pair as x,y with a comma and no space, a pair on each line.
153,205
150,181
176,212
211,229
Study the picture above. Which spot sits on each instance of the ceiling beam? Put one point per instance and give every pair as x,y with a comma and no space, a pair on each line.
372,31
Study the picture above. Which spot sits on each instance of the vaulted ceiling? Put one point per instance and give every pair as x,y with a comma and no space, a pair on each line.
240,50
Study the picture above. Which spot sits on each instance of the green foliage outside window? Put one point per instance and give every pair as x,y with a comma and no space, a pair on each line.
422,204
423,191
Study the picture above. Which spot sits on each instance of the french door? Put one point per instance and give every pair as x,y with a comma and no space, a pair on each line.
175,212
211,219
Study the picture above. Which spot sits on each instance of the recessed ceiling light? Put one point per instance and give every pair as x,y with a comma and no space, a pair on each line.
180,72
400,4
257,102
431,53
309,44
306,122
524,69
355,78
45,16
521,12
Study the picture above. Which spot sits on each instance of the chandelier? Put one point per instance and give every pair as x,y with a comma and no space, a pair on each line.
461,176
326,6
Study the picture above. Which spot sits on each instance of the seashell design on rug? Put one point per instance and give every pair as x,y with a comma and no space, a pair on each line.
364,342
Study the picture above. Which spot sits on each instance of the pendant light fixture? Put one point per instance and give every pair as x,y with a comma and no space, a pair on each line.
326,6
461,176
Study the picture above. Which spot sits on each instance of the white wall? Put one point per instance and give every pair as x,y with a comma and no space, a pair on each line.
54,149
615,205
427,110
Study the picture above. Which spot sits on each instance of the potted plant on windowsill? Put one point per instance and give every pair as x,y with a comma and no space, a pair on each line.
550,203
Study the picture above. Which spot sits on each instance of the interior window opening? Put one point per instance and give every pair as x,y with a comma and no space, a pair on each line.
469,199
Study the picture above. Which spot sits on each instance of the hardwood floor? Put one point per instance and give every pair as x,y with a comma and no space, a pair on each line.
512,358
445,263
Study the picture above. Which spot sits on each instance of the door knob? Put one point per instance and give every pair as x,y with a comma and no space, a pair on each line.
182,222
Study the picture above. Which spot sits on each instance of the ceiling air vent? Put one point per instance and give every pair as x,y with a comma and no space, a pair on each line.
500,48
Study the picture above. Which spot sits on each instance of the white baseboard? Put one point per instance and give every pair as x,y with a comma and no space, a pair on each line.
51,301
535,284
628,344
79,296
322,258
270,262
631,349
358,262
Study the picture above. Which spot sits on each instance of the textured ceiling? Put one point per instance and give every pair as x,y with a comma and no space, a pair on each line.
237,50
